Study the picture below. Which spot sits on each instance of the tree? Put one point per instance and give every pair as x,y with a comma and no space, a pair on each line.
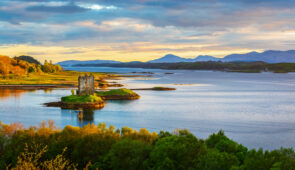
128,154
180,151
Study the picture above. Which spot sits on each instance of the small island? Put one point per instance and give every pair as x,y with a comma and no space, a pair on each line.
88,98
85,97
77,102
157,89
118,94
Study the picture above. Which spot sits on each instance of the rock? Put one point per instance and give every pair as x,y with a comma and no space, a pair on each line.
67,105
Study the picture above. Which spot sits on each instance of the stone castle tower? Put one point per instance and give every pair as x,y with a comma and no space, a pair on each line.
86,85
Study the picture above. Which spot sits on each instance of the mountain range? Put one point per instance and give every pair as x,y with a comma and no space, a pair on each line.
270,56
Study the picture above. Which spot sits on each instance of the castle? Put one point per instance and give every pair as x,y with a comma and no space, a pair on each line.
86,85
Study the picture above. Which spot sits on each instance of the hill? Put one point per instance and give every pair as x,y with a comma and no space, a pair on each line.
170,58
270,56
29,59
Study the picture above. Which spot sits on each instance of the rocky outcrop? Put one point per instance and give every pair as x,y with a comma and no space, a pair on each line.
156,89
68,105
121,97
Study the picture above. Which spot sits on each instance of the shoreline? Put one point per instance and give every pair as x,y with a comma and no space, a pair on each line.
35,86
65,79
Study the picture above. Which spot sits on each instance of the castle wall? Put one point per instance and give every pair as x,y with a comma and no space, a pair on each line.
86,85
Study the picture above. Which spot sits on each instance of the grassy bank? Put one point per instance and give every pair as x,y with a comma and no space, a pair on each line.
61,78
105,147
120,92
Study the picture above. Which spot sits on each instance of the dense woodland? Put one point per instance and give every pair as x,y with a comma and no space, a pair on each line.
102,147
20,66
251,67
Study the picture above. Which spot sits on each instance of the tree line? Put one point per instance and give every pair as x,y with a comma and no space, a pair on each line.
20,66
250,67
102,147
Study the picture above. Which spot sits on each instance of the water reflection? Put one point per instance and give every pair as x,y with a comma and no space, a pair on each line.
16,93
48,90
83,116
119,101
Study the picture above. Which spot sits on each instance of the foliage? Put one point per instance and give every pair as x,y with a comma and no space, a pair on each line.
120,92
81,99
102,147
29,59
180,151
48,67
13,67
32,160
19,66
127,154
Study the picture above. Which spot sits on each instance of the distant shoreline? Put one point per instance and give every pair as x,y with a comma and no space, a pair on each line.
241,67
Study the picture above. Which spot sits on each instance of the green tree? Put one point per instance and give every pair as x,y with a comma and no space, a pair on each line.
128,154
180,151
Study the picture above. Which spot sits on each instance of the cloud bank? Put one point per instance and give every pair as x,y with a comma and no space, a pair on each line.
144,29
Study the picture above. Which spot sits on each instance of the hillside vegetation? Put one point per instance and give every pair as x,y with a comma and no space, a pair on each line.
20,66
102,147
28,59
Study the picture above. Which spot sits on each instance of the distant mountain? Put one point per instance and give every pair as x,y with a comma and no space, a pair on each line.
206,58
78,62
270,56
267,56
170,58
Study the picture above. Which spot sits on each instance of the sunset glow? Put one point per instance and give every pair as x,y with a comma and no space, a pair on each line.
136,30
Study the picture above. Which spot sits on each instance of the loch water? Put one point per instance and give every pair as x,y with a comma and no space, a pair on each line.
254,109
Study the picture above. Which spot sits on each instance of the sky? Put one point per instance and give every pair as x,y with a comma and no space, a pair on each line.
142,30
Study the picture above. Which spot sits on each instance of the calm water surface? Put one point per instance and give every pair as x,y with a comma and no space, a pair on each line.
257,110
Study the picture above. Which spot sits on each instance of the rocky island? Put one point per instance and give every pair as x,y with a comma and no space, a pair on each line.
77,102
88,98
118,94
85,97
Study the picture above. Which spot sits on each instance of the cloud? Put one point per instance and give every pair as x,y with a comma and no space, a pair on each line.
129,26
67,9
72,52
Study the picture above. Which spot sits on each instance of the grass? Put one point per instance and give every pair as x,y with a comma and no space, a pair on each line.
60,78
81,99
116,92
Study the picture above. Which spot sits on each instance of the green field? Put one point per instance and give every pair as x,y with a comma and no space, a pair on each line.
60,78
